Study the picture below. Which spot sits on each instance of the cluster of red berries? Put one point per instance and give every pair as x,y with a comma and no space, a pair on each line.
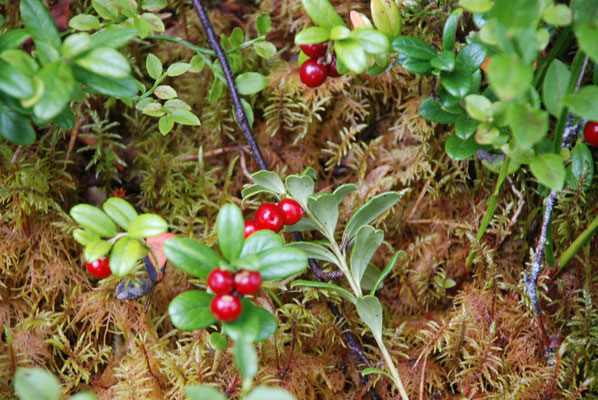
226,305
273,217
590,133
313,72
99,268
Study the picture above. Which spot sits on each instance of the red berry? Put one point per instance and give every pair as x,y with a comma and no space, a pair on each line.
332,71
315,50
590,133
248,282
99,268
250,227
269,216
292,211
221,281
226,307
313,73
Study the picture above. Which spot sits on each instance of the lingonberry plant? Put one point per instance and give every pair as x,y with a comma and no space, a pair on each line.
351,254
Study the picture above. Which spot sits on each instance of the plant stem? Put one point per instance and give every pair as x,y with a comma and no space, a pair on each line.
577,244
492,204
391,366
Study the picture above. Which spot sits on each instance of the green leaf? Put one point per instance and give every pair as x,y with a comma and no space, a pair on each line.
245,359
192,257
478,107
387,270
522,13
84,237
486,133
36,384
582,166
105,8
371,210
184,117
248,111
325,208
165,124
120,211
278,263
300,187
76,44
351,54
315,251
269,393
367,242
39,23
66,119
555,87
153,5
203,392
268,180
153,65
13,39
368,371
372,41
305,224
147,225
322,13
15,127
587,38
14,82
342,292
465,126
558,15
83,396
230,231
154,22
415,65
476,6
450,28
59,84
95,249
124,255
263,24
265,49
459,149
584,103
250,83
529,126
259,241
190,310
343,191
549,169
178,68
107,86
414,47
218,341
114,37
94,219
370,312
445,61
165,92
432,111
457,83
387,17
509,77
471,57
247,326
339,32
84,22
584,11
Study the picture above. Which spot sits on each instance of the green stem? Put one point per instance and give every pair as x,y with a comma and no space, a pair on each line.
492,204
245,44
574,247
549,249
391,366
560,45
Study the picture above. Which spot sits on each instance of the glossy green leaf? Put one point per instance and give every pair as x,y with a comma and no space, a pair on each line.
218,341
549,169
114,37
315,251
247,326
108,86
432,111
322,13
372,41
444,61
153,65
259,241
120,211
459,149
278,263
371,210
486,133
351,54
339,32
14,82
13,39
325,208
413,47
269,393
558,15
478,107
370,312
300,187
555,86
387,270
367,242
476,6
192,257
95,249
582,166
245,359
471,57
15,127
230,231
94,219
190,310
147,225
250,83
263,24
584,103
268,180
124,255
76,44
529,126
24,63
343,191
203,392
36,384
342,292
39,23
415,65
184,117
386,17
84,22
465,126
84,237
587,38
509,77
457,83
59,83
450,28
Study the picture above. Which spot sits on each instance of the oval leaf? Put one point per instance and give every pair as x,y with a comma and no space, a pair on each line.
120,211
342,292
192,257
190,310
281,262
230,229
371,210
124,255
250,83
370,312
146,225
260,241
94,219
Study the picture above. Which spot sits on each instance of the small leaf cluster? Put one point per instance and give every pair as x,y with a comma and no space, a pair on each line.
100,235
363,48
38,87
39,384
